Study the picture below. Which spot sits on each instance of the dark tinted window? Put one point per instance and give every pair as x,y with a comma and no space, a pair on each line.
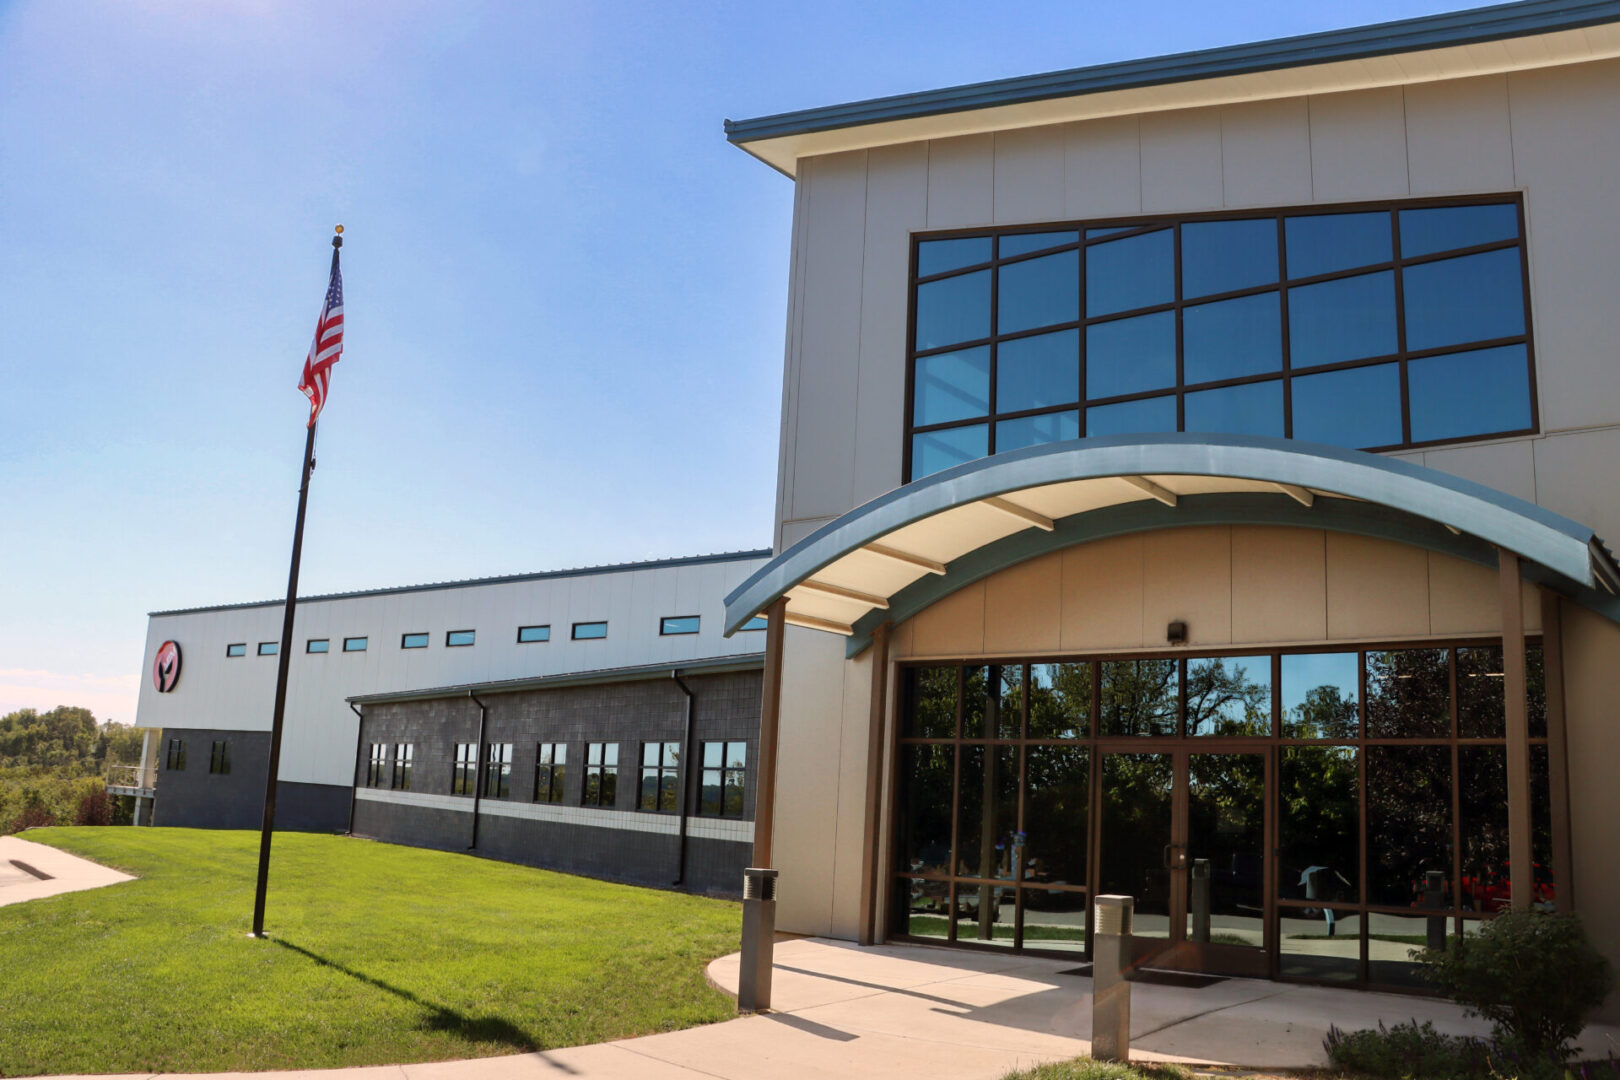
1232,338
1456,394
1343,319
1222,256
1354,408
1326,243
1246,409
1444,228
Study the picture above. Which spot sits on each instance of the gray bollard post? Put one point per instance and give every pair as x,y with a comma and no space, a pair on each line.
758,936
1434,896
1200,900
1110,993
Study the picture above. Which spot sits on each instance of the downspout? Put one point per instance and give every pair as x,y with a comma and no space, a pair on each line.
359,741
478,769
686,780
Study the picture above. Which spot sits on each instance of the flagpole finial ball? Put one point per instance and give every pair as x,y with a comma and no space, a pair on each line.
338,230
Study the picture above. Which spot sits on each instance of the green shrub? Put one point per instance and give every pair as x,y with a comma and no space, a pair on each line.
1534,976
1409,1051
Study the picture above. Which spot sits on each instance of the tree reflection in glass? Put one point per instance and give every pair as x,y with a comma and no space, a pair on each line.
1479,693
1226,818
1319,824
1482,801
1139,697
1408,820
1409,694
927,778
987,822
932,703
1059,701
991,701
1136,805
1229,695
1057,797
1319,694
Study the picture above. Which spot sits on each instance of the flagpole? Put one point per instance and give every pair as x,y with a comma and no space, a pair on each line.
284,658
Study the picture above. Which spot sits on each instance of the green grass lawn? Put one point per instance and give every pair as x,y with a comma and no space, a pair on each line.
377,954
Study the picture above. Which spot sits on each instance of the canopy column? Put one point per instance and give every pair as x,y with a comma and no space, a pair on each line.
870,877
1552,651
1521,862
770,716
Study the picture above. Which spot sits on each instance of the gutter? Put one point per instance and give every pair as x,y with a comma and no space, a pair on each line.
359,741
478,768
686,780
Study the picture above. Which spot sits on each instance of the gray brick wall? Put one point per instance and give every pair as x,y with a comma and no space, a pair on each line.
725,707
195,798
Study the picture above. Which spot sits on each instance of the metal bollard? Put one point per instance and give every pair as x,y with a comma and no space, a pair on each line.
1110,993
1434,896
1200,900
758,935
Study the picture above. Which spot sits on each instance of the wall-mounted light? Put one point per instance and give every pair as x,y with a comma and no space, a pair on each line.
1176,633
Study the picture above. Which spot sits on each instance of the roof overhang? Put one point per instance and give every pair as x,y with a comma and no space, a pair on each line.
901,552
1451,45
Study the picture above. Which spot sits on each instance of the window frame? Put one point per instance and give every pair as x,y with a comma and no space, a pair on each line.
325,643
521,640
665,631
405,638
1129,226
574,634
497,770
667,767
464,770
175,759
554,772
268,648
399,777
376,763
237,645
597,765
472,637
219,758
363,639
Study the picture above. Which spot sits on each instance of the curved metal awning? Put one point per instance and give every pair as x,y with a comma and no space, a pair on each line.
905,550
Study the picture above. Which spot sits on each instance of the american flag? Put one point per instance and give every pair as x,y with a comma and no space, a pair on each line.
327,347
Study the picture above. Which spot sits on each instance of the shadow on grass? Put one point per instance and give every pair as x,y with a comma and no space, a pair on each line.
482,1029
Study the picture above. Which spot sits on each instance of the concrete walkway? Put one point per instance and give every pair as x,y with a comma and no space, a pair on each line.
914,1011
29,871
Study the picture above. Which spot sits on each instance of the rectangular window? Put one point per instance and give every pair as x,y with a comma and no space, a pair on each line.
317,645
601,774
403,754
354,644
497,770
219,760
588,631
551,761
678,624
725,767
177,755
377,765
660,768
269,648
458,638
465,779
529,634
756,623
413,641
1404,325
239,649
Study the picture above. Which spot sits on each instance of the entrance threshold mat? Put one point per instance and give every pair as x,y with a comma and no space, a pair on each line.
1157,977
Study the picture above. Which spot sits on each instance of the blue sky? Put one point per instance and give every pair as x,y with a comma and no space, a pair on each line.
565,292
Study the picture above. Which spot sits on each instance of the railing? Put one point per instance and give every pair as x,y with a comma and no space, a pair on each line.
132,776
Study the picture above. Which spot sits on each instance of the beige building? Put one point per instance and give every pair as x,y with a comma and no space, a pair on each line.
1192,476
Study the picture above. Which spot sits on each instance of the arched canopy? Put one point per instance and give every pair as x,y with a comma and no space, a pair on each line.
901,552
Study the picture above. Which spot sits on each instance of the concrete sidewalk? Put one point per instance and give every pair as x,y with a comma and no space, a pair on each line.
914,1011
29,871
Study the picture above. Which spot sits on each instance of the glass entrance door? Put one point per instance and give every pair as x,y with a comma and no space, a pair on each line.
1183,832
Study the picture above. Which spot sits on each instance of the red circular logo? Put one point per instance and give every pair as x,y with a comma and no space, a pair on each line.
166,668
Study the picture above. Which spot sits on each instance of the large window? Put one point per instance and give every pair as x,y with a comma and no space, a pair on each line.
601,774
660,767
725,770
1380,774
403,755
1369,328
550,767
177,755
377,765
219,758
498,770
464,781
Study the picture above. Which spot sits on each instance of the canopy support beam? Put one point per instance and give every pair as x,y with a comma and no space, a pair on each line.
1521,865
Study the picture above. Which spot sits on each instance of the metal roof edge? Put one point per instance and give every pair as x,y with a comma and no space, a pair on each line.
471,583
713,665
1447,29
